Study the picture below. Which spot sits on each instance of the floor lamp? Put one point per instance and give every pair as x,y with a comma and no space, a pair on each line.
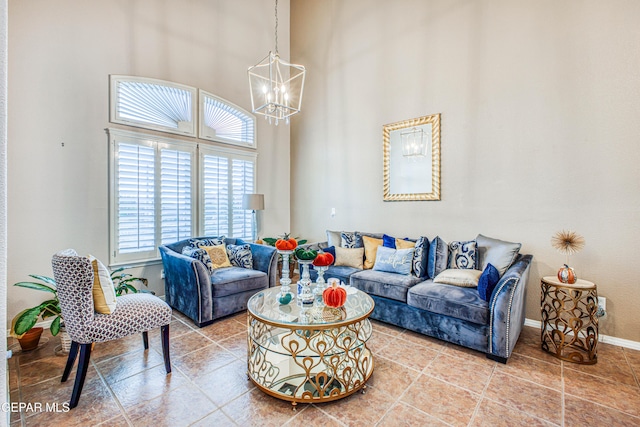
253,202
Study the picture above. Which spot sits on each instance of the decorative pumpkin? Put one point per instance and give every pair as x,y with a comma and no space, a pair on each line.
323,260
567,275
286,243
306,254
335,296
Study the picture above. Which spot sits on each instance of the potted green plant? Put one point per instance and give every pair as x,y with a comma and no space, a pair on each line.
123,282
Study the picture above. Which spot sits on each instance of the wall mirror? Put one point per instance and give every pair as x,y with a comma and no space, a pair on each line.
412,159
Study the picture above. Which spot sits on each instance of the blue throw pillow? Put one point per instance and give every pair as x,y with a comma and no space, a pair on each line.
488,281
331,250
388,241
394,261
438,256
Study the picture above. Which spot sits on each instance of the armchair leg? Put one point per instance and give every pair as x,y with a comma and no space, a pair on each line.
71,360
145,340
83,366
165,347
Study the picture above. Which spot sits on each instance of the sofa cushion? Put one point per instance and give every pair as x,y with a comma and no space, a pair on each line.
233,280
104,293
218,255
453,301
240,255
388,241
405,244
397,261
199,254
350,257
488,281
340,272
499,253
370,250
464,277
383,284
351,240
462,254
438,256
207,241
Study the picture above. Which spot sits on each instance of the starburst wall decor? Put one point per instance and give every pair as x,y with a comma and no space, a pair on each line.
568,243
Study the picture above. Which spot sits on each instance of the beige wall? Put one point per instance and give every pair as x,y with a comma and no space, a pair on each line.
540,103
60,56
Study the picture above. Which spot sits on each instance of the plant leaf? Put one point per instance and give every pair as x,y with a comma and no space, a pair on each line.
36,286
55,326
132,289
45,279
27,320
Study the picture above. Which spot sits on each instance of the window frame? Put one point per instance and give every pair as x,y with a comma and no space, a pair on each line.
202,131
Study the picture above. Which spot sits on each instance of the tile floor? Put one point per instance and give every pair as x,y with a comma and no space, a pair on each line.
418,381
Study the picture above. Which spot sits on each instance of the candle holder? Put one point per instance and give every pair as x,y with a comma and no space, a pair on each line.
304,292
321,285
285,296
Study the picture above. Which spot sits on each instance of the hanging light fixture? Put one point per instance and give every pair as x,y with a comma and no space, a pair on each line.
276,86
414,143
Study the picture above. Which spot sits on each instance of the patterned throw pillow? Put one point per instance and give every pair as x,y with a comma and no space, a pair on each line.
394,260
351,240
420,257
438,256
462,255
240,256
208,241
199,254
218,255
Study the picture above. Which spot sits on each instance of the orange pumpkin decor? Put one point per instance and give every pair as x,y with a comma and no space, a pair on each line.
323,260
567,275
335,296
286,243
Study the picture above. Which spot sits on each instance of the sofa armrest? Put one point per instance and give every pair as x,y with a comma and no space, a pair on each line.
265,258
187,286
507,309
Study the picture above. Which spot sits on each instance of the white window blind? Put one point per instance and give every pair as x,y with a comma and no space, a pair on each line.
175,195
223,121
153,104
226,177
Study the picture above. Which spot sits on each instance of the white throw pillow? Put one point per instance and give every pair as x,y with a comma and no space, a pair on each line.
466,278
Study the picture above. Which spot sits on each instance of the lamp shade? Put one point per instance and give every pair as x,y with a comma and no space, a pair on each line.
253,202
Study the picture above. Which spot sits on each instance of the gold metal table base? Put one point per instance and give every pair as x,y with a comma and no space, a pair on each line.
309,363
569,322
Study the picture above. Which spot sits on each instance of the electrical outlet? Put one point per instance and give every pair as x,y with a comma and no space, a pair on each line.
333,212
602,307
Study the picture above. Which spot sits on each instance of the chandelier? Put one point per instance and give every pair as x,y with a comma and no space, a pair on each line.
414,143
276,86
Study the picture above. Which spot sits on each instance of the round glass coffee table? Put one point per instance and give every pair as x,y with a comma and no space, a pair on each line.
309,354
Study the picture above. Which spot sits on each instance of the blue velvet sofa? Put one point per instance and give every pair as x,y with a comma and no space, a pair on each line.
450,313
204,297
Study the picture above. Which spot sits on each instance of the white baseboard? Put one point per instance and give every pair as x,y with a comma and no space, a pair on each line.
634,345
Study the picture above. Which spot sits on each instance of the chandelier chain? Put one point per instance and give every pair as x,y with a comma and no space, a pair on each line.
276,13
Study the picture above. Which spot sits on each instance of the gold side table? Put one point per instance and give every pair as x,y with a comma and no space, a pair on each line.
569,322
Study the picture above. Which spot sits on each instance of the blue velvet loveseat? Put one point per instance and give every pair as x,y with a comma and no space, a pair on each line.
490,324
204,295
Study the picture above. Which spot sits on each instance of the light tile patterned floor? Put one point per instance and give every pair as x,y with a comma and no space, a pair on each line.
418,381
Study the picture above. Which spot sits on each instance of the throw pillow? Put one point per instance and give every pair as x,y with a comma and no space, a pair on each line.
462,254
349,257
370,250
240,256
104,293
499,253
334,238
420,257
351,240
438,256
466,278
394,260
404,244
388,241
488,281
207,241
199,254
218,255
331,250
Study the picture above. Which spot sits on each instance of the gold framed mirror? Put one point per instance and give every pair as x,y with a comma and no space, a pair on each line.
411,152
